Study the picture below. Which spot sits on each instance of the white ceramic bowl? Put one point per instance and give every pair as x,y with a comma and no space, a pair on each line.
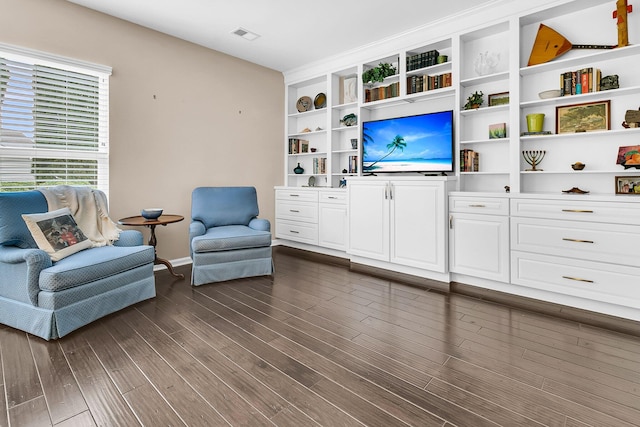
549,94
151,213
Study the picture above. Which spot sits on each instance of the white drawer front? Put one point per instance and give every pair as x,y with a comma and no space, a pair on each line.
479,205
577,210
583,240
297,211
614,284
297,231
335,197
299,195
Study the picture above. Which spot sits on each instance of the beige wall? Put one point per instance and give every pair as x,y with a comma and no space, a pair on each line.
181,115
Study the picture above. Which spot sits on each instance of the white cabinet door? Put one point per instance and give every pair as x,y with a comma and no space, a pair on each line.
418,225
332,232
479,245
369,219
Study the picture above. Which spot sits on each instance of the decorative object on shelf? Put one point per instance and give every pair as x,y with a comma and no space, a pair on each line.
578,166
298,169
151,213
320,101
486,63
628,185
442,59
303,104
586,117
501,98
318,129
349,89
304,146
305,130
629,156
544,132
312,181
533,157
313,149
343,182
498,130
354,143
474,101
550,44
609,82
631,119
535,122
507,189
379,73
349,120
345,171
575,190
548,94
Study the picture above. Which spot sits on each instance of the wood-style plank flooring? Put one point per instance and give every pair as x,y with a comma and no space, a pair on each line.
319,345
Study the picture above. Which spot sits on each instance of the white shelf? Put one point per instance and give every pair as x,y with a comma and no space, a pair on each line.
485,141
313,132
486,173
581,135
345,106
307,113
489,78
483,110
569,63
436,69
345,128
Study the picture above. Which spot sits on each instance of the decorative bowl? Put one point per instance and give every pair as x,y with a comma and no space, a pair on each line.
577,166
554,93
151,213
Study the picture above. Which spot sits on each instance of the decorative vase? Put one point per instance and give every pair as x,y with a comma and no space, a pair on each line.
535,122
486,63
298,169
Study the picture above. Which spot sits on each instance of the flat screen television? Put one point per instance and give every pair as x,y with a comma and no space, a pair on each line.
421,143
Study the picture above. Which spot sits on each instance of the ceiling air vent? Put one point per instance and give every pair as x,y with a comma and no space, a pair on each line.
245,34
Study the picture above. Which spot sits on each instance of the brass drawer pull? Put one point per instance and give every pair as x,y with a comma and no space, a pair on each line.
577,279
477,206
577,210
577,240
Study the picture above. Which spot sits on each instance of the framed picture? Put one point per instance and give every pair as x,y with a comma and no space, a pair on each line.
498,130
586,117
628,185
501,98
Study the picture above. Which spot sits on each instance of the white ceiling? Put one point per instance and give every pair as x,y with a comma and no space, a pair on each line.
292,32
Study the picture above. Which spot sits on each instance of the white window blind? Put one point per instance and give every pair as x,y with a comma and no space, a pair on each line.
54,121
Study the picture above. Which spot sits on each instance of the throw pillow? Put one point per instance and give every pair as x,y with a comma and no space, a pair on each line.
57,233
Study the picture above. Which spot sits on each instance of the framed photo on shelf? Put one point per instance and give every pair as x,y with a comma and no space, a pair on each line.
586,117
628,185
501,98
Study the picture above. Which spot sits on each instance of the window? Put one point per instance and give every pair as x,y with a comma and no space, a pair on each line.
54,121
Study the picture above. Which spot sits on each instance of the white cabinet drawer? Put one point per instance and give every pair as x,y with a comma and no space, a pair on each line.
479,205
578,210
297,211
297,231
297,195
595,241
615,284
335,197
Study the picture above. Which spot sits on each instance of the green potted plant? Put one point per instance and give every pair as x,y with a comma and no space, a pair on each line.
474,100
378,74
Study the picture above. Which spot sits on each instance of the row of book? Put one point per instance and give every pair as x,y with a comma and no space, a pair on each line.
319,165
586,80
469,160
382,92
353,164
421,60
297,146
424,83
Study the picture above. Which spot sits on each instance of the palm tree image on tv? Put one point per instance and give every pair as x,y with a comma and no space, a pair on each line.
421,143
397,144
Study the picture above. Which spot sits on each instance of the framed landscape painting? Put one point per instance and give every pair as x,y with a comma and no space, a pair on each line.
586,117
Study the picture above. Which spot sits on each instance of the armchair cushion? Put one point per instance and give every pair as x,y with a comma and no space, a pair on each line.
13,230
230,237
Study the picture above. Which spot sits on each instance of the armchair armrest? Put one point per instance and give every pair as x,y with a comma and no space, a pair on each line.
196,228
129,238
260,224
20,271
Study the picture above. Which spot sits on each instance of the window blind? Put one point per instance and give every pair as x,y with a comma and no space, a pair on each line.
54,122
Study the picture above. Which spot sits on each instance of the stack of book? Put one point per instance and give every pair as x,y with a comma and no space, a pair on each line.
353,164
586,80
297,146
421,60
382,92
319,165
469,160
424,83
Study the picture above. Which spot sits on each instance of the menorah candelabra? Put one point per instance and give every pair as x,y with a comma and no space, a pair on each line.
533,157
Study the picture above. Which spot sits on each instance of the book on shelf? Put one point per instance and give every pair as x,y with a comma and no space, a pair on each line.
416,84
469,160
319,165
297,146
421,60
382,92
585,80
353,164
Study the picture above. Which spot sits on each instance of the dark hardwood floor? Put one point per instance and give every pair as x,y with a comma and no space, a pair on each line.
318,344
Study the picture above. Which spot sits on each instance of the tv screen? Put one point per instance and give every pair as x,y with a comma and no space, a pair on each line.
421,143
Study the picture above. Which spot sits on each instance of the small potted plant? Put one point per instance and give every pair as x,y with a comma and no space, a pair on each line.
378,74
474,100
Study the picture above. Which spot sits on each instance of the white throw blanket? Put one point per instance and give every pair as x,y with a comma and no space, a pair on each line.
89,209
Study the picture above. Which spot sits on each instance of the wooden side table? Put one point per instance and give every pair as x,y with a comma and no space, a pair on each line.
138,220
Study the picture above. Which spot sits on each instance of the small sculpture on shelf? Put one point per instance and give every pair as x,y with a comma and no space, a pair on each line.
350,120
474,100
486,63
533,157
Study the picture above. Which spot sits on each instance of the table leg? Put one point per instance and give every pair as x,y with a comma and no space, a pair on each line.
153,242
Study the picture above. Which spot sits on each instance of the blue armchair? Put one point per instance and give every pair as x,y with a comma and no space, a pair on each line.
49,298
227,240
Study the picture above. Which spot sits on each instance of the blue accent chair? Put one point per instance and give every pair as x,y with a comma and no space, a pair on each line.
227,240
51,299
